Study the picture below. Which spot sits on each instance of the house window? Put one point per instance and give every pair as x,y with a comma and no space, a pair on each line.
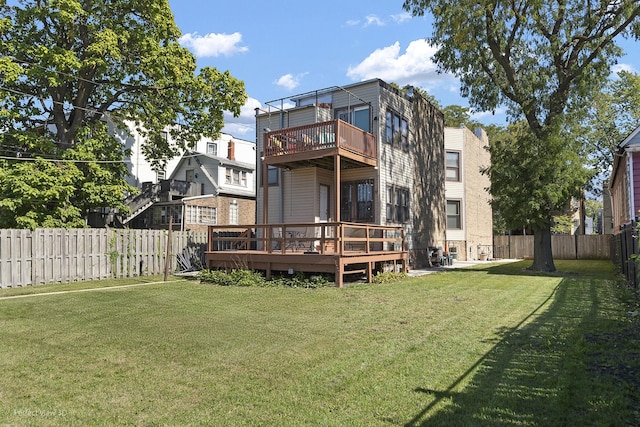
272,173
201,215
396,130
236,177
453,166
272,176
397,204
356,201
162,214
160,175
212,148
454,220
357,116
233,212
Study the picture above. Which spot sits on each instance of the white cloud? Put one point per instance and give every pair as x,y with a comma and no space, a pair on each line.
414,66
622,67
479,115
352,22
289,81
212,45
373,20
401,17
243,126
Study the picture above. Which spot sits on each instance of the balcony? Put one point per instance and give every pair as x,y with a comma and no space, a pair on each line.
172,189
315,144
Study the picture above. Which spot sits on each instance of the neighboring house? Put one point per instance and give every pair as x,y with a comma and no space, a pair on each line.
469,213
606,217
141,171
204,189
624,184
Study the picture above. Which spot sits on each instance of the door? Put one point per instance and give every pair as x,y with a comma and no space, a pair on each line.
324,203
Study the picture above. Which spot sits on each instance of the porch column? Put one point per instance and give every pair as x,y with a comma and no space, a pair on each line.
336,185
265,192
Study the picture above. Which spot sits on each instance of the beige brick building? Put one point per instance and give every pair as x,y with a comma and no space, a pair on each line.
469,232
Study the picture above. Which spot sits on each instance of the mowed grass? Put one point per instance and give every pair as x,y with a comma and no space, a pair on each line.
493,345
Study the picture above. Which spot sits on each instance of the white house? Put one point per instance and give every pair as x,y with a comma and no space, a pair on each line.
140,169
469,213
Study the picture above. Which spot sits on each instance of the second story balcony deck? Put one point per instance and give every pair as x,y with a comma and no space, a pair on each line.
315,144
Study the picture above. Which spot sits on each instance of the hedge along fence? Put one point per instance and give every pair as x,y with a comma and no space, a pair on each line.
591,246
67,255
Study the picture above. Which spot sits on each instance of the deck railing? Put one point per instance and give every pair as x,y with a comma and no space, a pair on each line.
310,238
318,136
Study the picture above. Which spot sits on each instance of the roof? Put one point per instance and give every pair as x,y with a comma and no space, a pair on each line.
632,139
226,162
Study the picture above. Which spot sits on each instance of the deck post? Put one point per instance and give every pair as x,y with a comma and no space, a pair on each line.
336,184
370,272
265,191
339,273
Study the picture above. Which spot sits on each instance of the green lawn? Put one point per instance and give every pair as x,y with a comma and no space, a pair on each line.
493,345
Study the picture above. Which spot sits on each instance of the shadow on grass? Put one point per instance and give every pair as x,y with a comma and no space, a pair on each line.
573,360
564,268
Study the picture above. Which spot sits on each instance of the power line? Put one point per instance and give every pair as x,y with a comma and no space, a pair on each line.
57,160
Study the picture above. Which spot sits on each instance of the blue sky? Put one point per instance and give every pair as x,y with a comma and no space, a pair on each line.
283,48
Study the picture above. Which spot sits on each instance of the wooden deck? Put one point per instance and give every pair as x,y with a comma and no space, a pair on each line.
338,248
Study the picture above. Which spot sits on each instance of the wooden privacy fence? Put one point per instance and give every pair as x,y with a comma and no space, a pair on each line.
592,246
67,255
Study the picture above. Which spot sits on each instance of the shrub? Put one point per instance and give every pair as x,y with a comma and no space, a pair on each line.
388,277
254,278
234,278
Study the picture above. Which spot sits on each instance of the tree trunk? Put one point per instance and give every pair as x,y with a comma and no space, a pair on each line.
542,254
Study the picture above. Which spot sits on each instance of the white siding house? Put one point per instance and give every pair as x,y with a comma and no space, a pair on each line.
469,214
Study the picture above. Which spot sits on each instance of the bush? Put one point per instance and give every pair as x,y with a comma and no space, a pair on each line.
388,277
254,278
234,278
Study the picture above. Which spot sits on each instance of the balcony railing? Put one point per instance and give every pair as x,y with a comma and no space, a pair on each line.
309,238
320,136
175,187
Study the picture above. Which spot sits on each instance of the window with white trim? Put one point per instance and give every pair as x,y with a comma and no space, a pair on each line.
236,177
201,215
453,166
454,219
233,212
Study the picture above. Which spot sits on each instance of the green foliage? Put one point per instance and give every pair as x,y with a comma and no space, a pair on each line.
254,278
562,224
532,181
539,59
606,120
68,67
388,277
233,278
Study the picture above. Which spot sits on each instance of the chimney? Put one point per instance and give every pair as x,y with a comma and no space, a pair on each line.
231,150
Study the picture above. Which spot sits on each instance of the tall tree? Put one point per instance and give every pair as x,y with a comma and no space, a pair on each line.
536,57
72,68
608,118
